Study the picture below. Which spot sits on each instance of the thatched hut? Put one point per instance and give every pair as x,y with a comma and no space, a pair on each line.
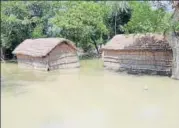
149,53
47,54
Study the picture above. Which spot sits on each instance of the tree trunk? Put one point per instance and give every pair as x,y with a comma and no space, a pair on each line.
115,22
175,48
95,44
174,42
96,47
2,54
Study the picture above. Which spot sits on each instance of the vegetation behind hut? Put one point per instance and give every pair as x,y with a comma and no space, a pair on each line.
88,29
88,24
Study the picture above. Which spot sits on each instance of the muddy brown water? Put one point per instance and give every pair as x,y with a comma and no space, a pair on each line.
91,98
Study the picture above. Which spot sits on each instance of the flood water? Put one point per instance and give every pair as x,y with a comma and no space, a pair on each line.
91,98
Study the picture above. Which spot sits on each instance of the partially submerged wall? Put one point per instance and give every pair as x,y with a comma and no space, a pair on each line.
39,63
152,62
63,56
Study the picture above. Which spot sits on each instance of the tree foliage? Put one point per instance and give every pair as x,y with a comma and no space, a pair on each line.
119,15
13,28
88,24
85,27
23,19
146,19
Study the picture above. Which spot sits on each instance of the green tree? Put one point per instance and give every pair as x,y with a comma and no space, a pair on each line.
119,15
172,33
145,19
83,22
14,27
24,19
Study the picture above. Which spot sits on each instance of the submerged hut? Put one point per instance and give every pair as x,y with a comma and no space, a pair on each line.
47,54
148,53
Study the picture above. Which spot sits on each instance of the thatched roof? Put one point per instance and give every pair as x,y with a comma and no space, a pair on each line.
40,47
137,42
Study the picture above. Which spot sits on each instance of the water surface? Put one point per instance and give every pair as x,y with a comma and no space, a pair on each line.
91,98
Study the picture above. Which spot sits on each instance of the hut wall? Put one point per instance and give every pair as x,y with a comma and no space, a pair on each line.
138,60
63,56
25,61
40,63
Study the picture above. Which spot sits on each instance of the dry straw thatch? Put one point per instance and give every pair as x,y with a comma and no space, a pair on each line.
40,47
137,42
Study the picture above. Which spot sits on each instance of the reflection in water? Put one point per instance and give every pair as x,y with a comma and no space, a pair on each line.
91,98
